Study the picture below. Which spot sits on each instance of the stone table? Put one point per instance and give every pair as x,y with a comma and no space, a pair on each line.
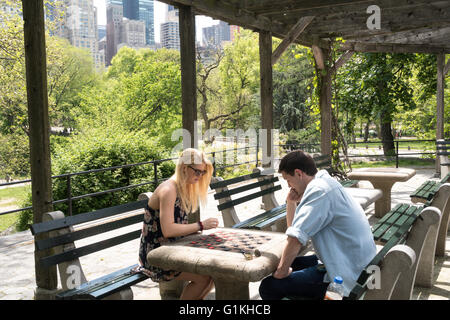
383,179
364,197
231,271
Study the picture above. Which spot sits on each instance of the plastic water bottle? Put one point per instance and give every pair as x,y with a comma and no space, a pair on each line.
335,289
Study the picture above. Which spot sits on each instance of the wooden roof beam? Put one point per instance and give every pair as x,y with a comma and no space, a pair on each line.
342,60
390,47
356,7
244,18
408,36
270,6
293,34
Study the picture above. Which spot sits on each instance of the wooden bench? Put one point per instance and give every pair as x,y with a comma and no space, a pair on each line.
404,228
426,190
56,235
443,152
324,162
264,186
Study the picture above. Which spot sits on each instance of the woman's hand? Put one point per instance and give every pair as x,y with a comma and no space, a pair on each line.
210,223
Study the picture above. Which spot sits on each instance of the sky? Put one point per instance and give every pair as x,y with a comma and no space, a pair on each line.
160,14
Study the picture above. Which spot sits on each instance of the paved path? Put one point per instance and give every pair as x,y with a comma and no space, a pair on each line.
17,275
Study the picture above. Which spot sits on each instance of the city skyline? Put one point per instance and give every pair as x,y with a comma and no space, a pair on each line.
160,10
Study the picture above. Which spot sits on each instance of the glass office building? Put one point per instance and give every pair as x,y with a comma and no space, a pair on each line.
146,14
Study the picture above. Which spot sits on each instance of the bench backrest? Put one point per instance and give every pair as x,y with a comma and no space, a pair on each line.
443,152
56,235
417,232
264,186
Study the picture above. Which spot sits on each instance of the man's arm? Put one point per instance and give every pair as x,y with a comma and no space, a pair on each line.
292,201
290,252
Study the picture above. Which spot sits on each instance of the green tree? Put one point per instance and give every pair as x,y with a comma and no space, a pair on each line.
292,78
239,83
141,91
374,85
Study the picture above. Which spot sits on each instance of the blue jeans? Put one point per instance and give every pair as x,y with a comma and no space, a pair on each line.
306,280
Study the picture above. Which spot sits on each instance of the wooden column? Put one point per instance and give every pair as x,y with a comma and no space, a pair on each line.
323,62
440,103
36,73
266,83
188,76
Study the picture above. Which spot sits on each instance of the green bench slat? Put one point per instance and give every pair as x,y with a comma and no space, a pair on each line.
86,217
446,178
268,216
88,232
224,183
426,190
348,183
232,203
228,193
104,286
82,251
380,227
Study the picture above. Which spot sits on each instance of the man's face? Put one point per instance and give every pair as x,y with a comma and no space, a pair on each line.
295,181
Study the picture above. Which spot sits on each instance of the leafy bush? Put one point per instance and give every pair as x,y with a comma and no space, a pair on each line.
98,149
306,139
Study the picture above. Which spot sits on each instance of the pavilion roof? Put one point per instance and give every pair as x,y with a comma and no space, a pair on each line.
414,26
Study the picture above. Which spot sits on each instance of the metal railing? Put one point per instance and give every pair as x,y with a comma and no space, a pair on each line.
216,157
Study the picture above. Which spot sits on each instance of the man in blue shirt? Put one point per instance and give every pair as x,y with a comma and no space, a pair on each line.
318,209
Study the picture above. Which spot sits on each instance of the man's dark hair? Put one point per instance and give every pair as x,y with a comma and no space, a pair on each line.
297,159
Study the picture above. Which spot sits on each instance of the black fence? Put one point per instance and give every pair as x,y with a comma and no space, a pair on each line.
251,155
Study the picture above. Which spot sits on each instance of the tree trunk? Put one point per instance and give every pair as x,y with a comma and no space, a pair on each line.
366,131
386,136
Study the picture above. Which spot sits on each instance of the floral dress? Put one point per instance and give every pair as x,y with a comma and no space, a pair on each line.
153,238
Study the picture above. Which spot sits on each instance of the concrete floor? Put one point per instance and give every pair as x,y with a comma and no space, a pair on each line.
17,276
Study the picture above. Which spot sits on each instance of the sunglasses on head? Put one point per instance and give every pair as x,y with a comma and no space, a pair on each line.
197,172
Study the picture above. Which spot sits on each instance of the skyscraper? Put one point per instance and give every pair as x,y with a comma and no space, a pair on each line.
114,16
80,27
131,9
142,10
170,32
215,35
146,14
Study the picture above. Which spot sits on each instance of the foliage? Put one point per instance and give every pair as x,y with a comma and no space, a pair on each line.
141,91
292,82
14,152
102,148
239,83
375,85
68,70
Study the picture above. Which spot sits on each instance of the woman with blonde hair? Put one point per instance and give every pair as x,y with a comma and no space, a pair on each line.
166,219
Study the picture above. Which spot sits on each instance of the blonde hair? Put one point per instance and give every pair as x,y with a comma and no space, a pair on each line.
190,194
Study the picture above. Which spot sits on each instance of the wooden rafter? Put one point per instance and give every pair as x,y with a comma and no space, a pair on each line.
342,60
292,35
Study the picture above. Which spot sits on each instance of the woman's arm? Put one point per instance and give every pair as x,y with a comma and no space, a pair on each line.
170,229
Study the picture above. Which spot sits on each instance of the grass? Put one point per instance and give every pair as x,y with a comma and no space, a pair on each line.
405,163
12,196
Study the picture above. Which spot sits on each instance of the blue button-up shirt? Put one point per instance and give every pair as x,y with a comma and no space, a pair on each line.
337,227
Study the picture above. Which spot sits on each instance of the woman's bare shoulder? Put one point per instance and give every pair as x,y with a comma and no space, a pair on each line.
167,189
